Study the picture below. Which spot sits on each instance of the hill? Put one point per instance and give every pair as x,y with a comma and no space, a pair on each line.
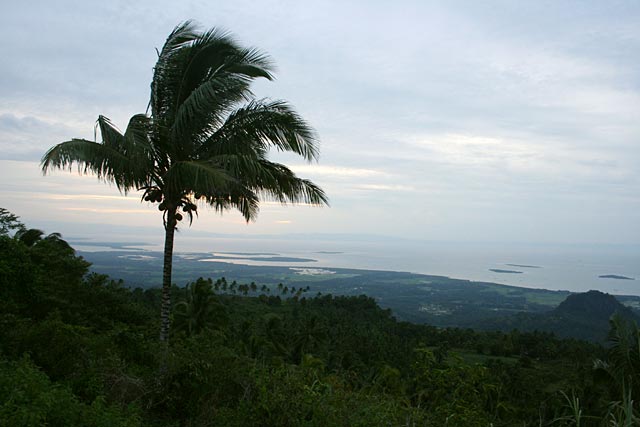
582,316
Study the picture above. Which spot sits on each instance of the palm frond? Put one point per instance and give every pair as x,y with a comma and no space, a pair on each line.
215,75
169,68
252,63
272,180
244,165
111,135
279,183
137,132
266,124
184,33
201,59
623,358
105,162
193,176
236,197
216,52
29,236
138,148
206,108
212,184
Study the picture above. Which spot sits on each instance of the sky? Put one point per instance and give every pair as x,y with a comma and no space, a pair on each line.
495,121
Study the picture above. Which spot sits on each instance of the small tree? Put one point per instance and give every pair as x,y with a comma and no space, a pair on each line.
9,222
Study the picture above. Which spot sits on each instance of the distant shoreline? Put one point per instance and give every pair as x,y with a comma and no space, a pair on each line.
551,274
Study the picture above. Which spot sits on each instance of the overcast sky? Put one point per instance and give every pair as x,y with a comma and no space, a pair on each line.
452,120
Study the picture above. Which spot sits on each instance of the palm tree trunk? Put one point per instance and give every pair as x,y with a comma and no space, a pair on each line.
165,310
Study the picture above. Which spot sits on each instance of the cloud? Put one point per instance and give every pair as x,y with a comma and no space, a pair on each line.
28,137
336,171
525,108
384,187
89,197
469,150
520,154
102,210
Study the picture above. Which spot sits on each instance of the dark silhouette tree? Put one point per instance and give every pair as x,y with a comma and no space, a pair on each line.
32,236
204,139
9,222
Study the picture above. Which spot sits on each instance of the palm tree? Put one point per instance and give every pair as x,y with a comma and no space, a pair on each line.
621,370
205,139
622,366
33,236
311,335
200,310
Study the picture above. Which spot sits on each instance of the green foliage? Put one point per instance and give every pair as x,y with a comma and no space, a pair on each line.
29,399
200,310
203,374
17,275
623,413
620,372
81,349
455,394
623,356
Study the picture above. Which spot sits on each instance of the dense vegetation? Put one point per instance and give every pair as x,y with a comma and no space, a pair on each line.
81,349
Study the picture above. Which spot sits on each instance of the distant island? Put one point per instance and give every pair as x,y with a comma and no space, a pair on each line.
329,252
615,276
523,266
498,270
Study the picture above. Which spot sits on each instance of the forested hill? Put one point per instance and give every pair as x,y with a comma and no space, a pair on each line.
595,304
583,316
79,349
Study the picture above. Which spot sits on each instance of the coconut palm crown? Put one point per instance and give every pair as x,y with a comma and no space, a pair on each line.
204,139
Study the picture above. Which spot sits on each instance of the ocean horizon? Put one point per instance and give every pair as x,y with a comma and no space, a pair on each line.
574,268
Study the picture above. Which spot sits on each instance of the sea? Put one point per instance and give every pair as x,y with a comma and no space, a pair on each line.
572,267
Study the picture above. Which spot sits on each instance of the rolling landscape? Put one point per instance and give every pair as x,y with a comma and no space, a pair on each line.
434,300
394,214
256,345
